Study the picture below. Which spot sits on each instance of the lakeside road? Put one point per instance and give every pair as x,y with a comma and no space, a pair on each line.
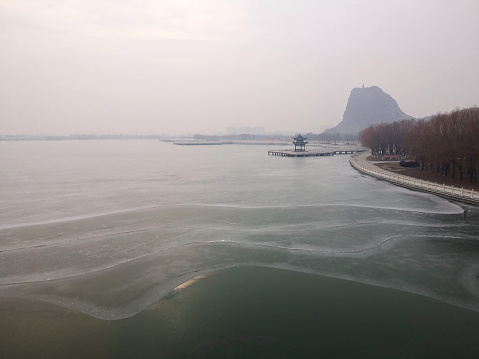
384,170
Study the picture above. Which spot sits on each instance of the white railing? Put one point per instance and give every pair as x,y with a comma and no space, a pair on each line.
418,184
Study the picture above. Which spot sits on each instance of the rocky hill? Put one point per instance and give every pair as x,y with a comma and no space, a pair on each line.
368,106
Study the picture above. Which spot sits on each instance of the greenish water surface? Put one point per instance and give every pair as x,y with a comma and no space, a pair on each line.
250,312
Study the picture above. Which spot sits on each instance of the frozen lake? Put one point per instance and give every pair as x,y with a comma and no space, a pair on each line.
107,228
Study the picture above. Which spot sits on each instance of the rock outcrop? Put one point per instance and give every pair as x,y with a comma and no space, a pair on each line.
368,106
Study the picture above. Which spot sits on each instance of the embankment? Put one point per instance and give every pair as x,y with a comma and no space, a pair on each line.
360,162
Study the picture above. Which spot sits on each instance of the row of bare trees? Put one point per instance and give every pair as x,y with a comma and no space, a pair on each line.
446,143
387,138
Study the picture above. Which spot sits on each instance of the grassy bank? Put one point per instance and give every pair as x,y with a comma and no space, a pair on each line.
426,175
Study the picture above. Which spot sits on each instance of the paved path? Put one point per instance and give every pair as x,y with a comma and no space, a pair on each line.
360,162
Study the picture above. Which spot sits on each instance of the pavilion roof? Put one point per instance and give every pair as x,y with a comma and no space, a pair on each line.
299,138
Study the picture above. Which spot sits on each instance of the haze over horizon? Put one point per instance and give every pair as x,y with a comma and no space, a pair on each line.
144,67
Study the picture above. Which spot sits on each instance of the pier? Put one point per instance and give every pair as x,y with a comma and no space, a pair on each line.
312,153
320,150
293,153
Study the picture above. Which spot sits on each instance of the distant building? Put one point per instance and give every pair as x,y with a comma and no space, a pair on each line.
299,144
245,130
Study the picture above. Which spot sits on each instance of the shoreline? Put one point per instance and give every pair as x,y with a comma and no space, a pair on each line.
391,172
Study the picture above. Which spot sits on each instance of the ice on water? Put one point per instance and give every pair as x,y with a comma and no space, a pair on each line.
108,227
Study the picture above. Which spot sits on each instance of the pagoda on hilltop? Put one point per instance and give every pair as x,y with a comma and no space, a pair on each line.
299,144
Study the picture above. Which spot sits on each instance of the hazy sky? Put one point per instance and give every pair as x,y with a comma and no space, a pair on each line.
184,66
